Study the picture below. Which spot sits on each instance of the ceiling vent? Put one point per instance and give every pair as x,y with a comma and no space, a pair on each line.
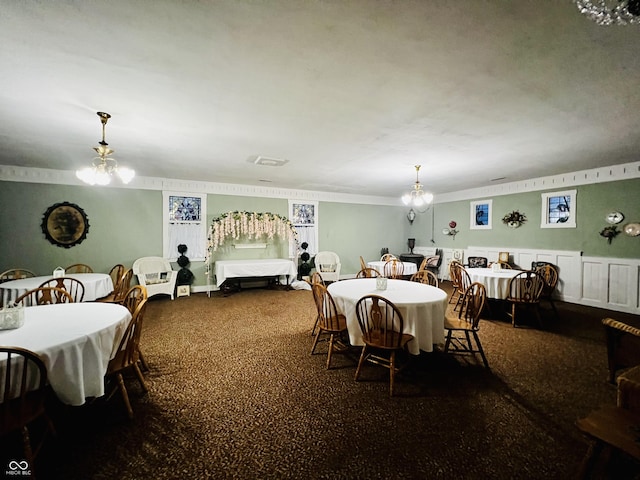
270,162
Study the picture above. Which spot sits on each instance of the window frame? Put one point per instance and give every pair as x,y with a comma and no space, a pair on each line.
546,215
473,206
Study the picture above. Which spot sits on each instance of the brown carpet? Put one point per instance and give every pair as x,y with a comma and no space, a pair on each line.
234,393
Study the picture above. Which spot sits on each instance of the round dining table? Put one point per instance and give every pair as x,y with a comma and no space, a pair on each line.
75,341
496,283
96,285
422,308
408,268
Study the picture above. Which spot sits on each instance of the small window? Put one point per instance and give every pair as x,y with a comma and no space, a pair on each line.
559,209
481,215
184,222
304,218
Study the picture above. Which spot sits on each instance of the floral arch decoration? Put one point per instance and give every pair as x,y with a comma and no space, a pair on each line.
248,225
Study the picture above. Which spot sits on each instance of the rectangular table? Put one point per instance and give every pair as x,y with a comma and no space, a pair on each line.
266,267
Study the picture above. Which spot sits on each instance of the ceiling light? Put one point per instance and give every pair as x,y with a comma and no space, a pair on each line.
609,12
103,166
417,197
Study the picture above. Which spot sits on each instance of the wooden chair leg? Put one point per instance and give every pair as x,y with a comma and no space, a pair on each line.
590,459
363,355
125,396
331,340
140,378
315,342
143,362
392,373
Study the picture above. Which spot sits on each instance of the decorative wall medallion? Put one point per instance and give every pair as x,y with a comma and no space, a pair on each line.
614,218
632,229
65,224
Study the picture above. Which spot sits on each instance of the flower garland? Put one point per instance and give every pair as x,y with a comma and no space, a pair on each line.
250,225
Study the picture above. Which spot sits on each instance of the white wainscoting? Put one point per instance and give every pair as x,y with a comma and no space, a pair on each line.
610,283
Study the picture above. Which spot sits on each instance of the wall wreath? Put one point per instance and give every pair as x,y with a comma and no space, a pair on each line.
65,224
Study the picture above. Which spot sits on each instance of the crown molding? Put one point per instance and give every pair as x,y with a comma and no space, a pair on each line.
614,173
11,173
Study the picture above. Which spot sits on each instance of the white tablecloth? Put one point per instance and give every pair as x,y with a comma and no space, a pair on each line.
270,267
422,307
409,268
76,342
496,283
96,285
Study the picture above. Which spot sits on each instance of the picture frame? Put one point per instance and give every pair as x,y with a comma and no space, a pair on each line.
65,224
480,215
559,209
503,257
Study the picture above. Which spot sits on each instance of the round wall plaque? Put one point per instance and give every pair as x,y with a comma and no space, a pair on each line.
65,224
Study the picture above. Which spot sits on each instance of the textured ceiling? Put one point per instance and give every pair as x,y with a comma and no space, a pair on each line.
352,93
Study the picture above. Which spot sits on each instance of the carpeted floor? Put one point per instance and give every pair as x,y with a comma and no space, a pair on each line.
234,393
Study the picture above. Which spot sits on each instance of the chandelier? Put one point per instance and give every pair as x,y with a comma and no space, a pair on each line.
103,166
610,12
417,197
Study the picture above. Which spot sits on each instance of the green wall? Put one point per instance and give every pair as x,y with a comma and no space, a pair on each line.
593,204
126,224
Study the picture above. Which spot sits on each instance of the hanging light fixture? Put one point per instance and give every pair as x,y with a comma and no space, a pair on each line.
417,197
103,166
610,12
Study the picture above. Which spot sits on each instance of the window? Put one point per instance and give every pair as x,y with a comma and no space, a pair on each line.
304,218
481,215
184,222
559,209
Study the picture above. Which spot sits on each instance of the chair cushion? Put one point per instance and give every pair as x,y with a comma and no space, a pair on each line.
328,268
157,277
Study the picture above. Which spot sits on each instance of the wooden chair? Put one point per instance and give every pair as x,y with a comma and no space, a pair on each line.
73,286
15,274
464,281
524,292
387,256
363,264
134,297
382,327
368,272
23,376
432,263
316,278
550,275
477,262
425,276
121,287
394,268
127,358
460,328
623,346
330,322
116,273
454,275
78,268
44,296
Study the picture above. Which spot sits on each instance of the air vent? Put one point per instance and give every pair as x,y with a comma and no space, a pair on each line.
270,162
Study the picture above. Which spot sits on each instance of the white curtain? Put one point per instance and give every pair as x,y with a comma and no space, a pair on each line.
307,233
190,234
